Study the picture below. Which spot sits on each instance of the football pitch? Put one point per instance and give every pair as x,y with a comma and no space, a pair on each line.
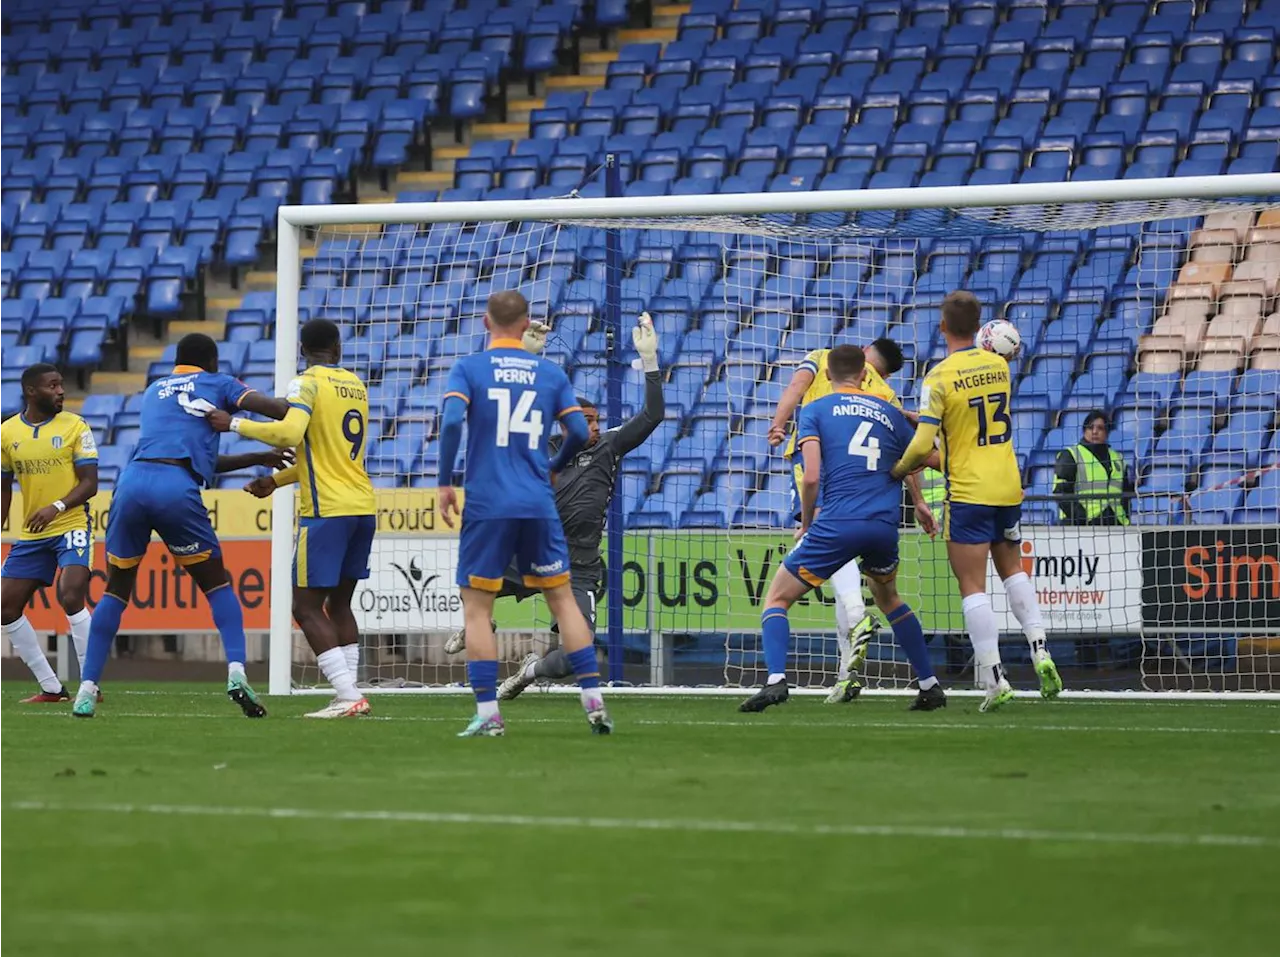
172,825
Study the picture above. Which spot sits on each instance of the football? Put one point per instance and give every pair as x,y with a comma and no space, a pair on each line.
1001,337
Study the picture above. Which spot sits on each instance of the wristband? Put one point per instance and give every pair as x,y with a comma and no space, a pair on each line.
60,505
235,425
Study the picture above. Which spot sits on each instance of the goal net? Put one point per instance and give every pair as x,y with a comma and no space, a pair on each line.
1153,302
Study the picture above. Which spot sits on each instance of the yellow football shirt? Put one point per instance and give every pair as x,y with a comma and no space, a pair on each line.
331,473
816,362
967,397
43,459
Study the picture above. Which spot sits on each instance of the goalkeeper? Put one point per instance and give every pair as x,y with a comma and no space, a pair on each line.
583,491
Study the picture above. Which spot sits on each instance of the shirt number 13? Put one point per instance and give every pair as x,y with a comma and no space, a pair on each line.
999,416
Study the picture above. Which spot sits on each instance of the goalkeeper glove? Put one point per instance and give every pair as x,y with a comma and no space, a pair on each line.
535,337
645,340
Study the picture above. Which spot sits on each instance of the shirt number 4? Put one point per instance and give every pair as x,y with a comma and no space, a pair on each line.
866,446
523,420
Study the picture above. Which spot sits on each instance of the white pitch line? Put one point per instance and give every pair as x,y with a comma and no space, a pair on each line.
852,724
668,824
881,696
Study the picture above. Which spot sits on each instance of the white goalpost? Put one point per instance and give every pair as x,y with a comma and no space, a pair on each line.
1155,301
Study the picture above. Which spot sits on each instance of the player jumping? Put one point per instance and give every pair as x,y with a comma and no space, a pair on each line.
159,490
326,422
966,396
507,398
848,440
854,626
53,456
583,491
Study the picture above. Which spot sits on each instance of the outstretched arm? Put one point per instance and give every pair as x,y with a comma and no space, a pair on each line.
286,434
632,433
640,426
918,451
272,458
801,379
267,405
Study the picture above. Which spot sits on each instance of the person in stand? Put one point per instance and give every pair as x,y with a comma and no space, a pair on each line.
1091,482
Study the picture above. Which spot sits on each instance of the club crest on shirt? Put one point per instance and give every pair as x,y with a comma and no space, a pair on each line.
57,441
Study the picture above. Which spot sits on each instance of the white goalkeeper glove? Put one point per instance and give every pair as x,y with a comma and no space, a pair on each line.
535,337
645,340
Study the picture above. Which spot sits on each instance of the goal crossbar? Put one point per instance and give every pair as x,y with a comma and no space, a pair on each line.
818,201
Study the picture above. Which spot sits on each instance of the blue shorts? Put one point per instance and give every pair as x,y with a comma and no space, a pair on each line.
830,545
39,559
487,546
329,550
967,524
152,496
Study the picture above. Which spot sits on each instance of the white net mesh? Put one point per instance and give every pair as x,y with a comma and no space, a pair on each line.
1160,314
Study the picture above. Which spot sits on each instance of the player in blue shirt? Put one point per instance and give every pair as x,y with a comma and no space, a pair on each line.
509,399
850,440
159,490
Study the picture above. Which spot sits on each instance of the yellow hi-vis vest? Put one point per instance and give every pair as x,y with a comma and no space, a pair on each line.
1098,490
933,487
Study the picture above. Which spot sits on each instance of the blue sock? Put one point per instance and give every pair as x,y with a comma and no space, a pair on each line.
776,633
910,637
585,667
228,618
483,676
102,632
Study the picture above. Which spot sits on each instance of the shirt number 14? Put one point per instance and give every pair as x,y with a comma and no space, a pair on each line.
524,420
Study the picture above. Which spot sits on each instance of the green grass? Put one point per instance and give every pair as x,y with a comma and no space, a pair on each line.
152,834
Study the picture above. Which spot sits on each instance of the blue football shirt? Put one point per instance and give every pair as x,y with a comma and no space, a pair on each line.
173,417
513,398
861,436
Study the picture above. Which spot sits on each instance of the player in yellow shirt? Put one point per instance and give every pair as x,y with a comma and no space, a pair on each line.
854,626
966,398
52,455
327,422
